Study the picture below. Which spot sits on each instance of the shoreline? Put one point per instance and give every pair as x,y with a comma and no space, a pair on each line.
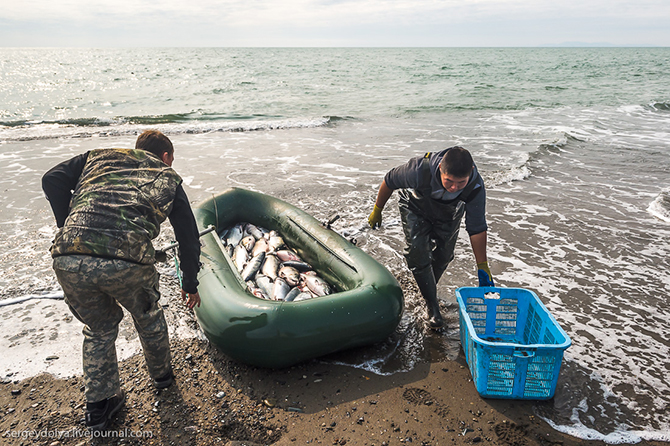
218,401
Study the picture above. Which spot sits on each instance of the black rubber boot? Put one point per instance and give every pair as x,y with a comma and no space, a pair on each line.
99,414
426,282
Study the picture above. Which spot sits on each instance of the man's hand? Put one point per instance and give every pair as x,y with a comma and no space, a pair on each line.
484,274
191,299
375,218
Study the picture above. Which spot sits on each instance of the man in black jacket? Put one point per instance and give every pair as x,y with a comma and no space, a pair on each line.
437,189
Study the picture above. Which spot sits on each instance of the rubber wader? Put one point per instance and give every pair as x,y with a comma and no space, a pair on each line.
431,230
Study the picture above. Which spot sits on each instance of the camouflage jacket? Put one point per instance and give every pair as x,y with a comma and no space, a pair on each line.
118,205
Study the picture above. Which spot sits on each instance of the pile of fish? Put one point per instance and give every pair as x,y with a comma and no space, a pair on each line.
271,269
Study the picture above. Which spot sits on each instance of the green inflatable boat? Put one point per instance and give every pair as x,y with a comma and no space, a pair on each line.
366,308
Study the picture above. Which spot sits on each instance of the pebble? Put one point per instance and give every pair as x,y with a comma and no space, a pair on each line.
220,395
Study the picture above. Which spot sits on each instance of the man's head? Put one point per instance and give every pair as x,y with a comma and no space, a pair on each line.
157,143
455,169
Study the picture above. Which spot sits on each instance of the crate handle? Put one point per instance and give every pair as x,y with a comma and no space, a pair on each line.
524,353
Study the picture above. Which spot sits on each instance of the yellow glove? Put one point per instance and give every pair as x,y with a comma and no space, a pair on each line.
484,274
375,218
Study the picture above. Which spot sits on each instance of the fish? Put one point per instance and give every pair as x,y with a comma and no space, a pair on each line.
248,242
292,294
270,266
240,257
290,275
300,266
253,266
253,230
280,289
259,293
271,269
260,246
265,284
302,296
275,242
234,235
316,284
285,255
253,289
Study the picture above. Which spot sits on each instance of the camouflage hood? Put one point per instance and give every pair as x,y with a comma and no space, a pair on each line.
120,201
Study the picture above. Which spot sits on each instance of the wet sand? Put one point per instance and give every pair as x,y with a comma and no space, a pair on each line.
218,401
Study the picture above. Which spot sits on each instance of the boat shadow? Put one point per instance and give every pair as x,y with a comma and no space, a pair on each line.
312,386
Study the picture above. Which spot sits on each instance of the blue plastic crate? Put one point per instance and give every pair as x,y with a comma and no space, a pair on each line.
512,344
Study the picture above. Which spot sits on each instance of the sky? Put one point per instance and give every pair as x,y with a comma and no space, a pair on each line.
339,23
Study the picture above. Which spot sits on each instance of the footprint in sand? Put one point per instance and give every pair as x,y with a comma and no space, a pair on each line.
511,434
420,396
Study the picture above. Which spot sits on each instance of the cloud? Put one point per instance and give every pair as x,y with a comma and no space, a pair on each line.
270,22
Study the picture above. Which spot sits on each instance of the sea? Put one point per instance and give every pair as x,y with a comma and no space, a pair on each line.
573,145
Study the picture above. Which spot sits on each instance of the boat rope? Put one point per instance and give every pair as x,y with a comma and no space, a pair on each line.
216,212
17,300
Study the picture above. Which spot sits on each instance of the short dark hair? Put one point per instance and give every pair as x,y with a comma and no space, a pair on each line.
457,162
155,142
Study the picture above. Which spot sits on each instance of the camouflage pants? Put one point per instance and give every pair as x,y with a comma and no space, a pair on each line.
94,290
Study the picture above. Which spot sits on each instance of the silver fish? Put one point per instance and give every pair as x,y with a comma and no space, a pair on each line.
259,293
270,266
316,284
248,242
285,255
260,246
240,257
265,284
280,289
253,266
253,230
292,294
253,289
234,235
275,242
290,275
302,296
300,266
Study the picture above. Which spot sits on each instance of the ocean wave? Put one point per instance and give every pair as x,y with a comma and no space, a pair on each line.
168,124
507,176
622,436
524,169
564,141
660,207
660,106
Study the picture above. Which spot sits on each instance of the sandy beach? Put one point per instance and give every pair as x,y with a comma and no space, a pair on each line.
218,401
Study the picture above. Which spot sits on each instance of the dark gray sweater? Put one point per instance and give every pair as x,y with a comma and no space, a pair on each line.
408,176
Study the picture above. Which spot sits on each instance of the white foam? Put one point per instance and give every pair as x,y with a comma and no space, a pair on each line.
619,436
43,336
507,176
660,207
52,131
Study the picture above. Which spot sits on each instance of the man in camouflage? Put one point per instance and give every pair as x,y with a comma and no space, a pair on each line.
109,205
